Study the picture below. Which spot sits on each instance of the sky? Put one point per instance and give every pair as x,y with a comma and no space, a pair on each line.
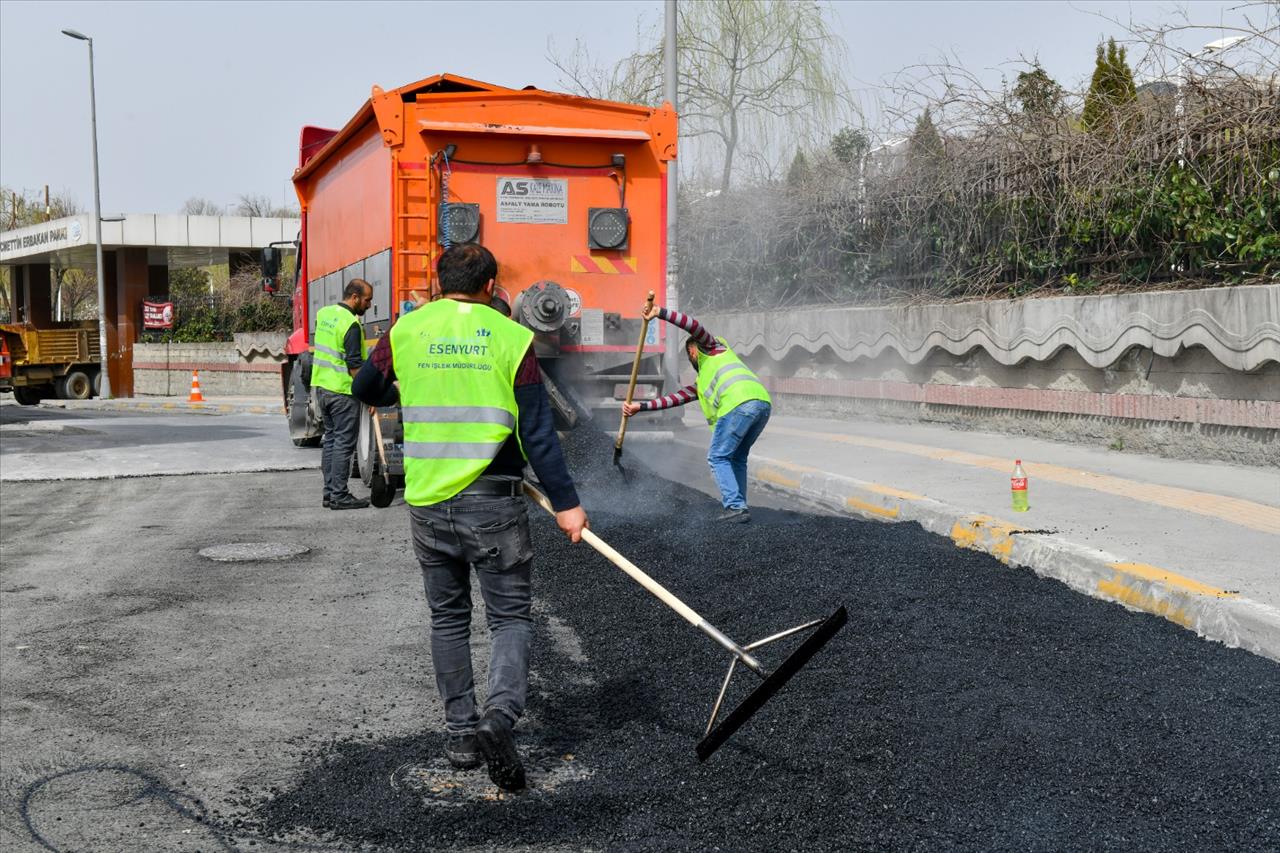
206,99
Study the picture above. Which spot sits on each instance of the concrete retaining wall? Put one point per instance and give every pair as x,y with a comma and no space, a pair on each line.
248,366
1182,373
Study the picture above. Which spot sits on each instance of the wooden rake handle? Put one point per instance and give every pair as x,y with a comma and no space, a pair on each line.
635,372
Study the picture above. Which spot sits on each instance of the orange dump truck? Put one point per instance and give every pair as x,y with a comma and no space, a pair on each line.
568,193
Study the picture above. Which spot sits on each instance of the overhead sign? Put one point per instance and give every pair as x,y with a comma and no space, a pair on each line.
540,201
157,315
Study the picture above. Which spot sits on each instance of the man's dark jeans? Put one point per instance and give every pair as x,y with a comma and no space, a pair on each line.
341,416
491,534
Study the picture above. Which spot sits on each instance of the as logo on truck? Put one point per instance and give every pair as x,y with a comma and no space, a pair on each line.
539,201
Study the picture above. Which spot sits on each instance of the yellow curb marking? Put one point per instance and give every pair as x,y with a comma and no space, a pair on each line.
864,506
1244,513
777,478
1139,600
984,533
1162,576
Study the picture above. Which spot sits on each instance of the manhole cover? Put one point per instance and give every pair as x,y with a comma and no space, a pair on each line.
440,785
249,552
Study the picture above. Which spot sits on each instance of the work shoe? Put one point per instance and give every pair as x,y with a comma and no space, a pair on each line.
499,750
349,502
735,516
463,751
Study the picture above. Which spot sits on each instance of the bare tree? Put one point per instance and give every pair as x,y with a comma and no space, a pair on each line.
758,78
261,205
197,206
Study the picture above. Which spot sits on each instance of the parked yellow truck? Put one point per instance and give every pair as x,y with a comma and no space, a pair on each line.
61,361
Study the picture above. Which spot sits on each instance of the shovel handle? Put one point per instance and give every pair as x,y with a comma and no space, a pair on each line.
635,372
623,563
377,438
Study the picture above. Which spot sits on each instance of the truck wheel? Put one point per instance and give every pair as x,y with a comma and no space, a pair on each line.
26,396
76,385
366,455
97,383
303,429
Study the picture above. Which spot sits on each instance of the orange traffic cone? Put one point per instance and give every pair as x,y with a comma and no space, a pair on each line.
196,396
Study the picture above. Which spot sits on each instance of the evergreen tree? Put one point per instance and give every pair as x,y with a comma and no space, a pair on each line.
925,143
848,145
799,169
1038,94
1111,89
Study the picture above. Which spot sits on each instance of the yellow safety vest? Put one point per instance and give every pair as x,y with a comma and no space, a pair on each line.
724,383
456,363
329,361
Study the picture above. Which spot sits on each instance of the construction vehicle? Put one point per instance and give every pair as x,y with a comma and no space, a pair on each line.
61,361
568,193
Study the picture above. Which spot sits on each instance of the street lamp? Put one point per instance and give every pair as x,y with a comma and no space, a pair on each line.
105,377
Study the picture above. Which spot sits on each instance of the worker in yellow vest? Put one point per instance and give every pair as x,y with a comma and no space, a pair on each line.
339,351
734,402
474,410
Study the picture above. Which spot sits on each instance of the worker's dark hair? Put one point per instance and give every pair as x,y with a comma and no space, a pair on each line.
691,341
356,287
466,268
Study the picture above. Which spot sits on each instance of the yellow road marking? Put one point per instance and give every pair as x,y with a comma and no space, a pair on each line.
984,533
1240,512
875,509
1154,573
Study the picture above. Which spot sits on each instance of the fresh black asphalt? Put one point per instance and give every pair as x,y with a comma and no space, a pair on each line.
967,705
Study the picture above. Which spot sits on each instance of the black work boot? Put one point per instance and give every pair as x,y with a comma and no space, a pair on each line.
499,750
348,502
735,516
463,751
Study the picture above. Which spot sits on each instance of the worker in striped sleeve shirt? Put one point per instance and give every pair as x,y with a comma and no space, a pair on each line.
734,402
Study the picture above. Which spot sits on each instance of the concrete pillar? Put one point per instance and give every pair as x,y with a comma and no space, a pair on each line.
33,298
111,289
18,300
132,284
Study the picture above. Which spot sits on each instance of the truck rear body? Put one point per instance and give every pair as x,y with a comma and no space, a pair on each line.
568,193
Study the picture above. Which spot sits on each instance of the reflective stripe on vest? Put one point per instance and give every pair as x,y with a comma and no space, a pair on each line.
328,358
724,383
456,364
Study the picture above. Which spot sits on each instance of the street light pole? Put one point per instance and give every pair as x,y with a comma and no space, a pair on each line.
670,92
105,387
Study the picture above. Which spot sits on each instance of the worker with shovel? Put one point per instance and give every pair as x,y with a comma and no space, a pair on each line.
474,408
734,402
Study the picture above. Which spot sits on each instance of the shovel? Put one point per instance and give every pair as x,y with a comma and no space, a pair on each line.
771,682
631,386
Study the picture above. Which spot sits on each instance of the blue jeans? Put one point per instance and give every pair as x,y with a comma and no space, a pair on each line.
731,441
491,534
340,414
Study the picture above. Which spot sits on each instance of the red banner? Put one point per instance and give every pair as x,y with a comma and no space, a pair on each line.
157,315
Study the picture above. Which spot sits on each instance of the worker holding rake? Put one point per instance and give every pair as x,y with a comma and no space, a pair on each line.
474,410
734,402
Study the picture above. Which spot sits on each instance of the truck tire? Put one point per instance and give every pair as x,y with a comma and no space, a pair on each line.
76,385
27,395
97,383
303,428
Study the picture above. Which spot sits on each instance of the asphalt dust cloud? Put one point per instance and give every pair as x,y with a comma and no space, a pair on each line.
967,706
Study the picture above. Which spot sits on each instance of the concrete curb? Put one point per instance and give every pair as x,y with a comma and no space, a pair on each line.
1215,614
165,407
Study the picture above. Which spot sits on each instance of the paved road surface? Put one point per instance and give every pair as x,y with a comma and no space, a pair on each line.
151,699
